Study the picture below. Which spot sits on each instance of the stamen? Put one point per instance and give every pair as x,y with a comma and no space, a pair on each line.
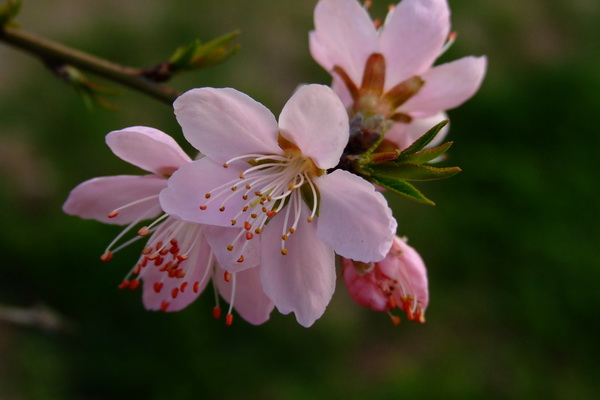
229,317
395,319
115,212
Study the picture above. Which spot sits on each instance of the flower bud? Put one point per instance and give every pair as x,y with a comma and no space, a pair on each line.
399,280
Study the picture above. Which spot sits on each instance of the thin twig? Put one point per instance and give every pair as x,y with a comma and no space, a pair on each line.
50,51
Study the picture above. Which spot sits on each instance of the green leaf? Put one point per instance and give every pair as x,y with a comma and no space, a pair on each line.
9,11
402,188
412,172
424,140
197,55
424,156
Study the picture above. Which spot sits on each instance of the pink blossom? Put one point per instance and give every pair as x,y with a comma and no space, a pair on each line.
399,280
177,261
271,180
389,71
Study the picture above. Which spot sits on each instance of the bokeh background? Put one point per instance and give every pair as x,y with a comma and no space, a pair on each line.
511,247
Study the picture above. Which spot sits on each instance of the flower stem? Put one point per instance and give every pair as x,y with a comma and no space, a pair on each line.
53,53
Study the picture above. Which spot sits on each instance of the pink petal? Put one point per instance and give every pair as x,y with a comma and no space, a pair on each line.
250,301
413,37
408,268
219,238
188,186
147,148
302,281
403,135
363,289
98,197
170,291
342,91
316,121
447,86
354,219
225,123
344,36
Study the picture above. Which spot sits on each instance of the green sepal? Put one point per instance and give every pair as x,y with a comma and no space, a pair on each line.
424,140
9,11
424,156
309,198
402,188
412,172
197,55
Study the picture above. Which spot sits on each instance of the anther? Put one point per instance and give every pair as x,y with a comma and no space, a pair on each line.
284,237
230,247
207,196
225,165
284,252
203,208
227,276
309,219
233,222
158,286
124,284
233,188
241,175
228,319
134,284
271,214
292,230
106,256
222,208
248,187
183,286
254,215
247,225
136,270
217,312
196,287
113,214
245,197
395,319
164,305
174,292
182,257
144,231
258,231
241,259
391,303
249,235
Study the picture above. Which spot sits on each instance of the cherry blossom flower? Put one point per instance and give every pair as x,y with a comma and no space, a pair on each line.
388,71
399,280
273,182
177,261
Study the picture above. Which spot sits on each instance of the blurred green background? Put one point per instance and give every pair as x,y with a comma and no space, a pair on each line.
511,247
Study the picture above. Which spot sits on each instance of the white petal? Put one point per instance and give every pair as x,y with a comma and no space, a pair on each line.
345,35
413,37
250,300
302,281
98,197
147,148
219,238
354,219
447,86
403,135
316,121
188,186
225,123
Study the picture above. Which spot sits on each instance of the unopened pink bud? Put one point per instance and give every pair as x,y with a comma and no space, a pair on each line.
399,280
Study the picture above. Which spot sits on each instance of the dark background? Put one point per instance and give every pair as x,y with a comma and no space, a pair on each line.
511,246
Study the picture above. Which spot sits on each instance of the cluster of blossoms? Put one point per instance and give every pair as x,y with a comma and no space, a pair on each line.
269,202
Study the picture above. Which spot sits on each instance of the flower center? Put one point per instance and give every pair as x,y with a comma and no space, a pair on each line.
270,184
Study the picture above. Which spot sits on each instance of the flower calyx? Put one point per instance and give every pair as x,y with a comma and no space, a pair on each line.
393,169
